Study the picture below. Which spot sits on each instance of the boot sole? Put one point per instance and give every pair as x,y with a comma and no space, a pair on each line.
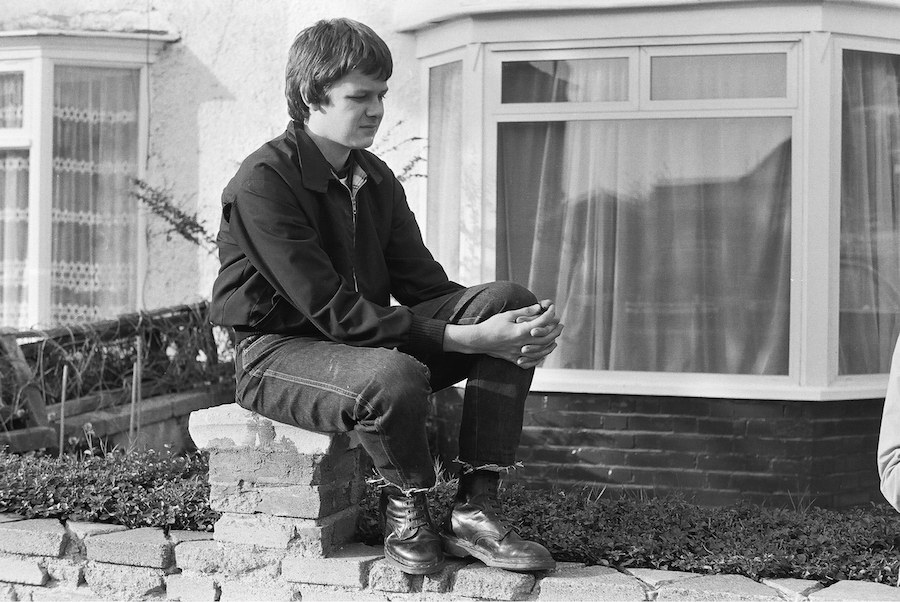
460,548
414,570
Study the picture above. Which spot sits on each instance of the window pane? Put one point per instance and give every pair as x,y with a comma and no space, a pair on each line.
445,162
665,245
581,80
870,213
718,76
11,100
13,237
95,145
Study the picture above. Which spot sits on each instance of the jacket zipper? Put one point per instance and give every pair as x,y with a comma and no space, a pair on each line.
353,258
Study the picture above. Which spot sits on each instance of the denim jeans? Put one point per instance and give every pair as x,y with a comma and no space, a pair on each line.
382,394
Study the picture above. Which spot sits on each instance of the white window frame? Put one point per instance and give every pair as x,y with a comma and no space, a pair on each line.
817,34
37,54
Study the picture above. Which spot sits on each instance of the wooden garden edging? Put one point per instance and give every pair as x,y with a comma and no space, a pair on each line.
166,363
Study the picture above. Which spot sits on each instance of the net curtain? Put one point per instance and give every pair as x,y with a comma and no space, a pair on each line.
94,219
666,247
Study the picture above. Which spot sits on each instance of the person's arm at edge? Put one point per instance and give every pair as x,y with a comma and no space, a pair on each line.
889,437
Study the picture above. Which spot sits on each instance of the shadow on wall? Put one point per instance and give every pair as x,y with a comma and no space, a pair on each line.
181,86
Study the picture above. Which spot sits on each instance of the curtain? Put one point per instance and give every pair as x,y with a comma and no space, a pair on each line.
11,100
445,162
94,219
13,237
870,213
665,242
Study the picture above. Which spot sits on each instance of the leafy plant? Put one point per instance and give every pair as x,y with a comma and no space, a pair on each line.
184,224
135,489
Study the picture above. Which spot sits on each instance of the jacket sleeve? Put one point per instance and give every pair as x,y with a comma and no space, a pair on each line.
889,438
275,233
415,275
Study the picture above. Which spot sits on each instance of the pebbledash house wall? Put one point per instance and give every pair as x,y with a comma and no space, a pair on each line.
216,94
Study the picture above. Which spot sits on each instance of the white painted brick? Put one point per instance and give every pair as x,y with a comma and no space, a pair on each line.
348,567
22,569
230,425
38,537
242,591
146,547
191,588
385,577
123,582
479,581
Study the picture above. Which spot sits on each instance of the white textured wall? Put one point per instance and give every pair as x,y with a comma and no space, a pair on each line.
216,95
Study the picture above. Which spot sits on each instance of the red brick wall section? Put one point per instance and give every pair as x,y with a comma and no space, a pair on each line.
715,451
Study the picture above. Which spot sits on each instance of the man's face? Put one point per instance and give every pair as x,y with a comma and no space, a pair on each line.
351,112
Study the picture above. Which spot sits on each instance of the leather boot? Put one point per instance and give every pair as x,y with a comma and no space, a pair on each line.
411,541
476,527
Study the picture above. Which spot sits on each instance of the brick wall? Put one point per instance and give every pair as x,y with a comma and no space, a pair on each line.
715,451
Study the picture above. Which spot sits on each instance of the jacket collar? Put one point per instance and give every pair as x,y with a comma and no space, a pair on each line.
315,171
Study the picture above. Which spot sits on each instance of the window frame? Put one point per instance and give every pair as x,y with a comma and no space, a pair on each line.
659,383
39,53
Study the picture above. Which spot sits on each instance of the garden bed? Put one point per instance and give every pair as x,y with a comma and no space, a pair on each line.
166,490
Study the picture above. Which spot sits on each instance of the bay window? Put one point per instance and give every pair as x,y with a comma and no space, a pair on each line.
716,209
71,141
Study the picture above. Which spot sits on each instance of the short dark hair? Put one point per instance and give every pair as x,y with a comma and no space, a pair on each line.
324,53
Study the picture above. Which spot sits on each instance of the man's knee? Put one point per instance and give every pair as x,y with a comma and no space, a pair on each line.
399,384
504,295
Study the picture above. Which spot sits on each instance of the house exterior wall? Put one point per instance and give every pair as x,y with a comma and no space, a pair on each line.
216,95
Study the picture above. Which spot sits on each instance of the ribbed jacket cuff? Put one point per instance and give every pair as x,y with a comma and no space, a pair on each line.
426,334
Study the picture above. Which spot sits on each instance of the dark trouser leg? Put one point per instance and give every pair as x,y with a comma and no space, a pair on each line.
323,386
493,410
493,407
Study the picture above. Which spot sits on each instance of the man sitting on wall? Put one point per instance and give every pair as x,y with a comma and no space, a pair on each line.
316,236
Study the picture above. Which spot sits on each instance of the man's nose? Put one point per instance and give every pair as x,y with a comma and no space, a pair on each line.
375,108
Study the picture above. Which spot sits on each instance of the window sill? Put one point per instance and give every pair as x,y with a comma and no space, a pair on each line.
705,385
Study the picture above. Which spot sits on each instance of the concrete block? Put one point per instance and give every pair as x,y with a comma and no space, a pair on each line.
37,537
199,556
191,589
796,590
594,582
479,581
22,569
297,501
442,581
66,572
282,466
717,587
78,531
123,582
54,593
385,577
146,547
248,561
177,536
241,591
230,425
347,567
304,537
655,577
847,591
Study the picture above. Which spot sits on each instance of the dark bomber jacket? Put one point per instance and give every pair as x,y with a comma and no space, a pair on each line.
298,258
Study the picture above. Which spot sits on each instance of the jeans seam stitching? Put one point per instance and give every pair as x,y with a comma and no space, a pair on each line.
305,381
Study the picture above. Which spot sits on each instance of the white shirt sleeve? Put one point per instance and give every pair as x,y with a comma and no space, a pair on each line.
889,437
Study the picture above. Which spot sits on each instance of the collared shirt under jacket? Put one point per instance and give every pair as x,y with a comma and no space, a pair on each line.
300,256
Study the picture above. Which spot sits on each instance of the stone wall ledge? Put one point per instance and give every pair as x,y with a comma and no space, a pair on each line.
194,566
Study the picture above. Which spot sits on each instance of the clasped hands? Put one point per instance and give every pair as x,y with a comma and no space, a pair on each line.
521,336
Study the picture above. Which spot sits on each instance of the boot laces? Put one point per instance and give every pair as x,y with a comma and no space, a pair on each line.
491,507
416,512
